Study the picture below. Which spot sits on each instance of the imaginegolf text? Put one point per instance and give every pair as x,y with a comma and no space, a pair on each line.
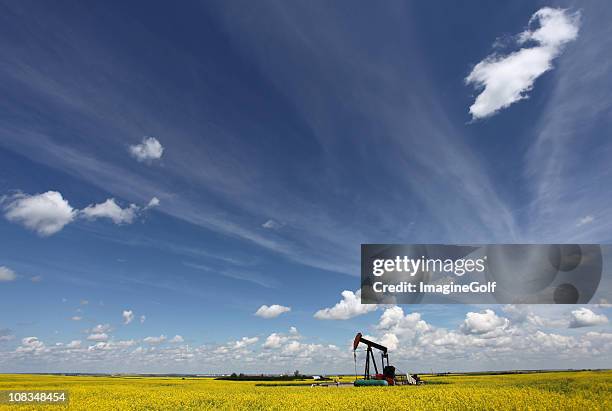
421,287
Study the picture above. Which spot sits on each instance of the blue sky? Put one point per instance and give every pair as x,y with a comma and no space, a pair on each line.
275,138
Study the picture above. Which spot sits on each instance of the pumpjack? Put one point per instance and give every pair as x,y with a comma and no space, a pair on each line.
388,376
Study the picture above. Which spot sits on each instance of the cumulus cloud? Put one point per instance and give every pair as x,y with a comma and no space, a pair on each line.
149,149
154,202
128,316
74,344
603,303
350,306
45,213
413,343
483,322
177,339
272,311
98,337
506,79
583,317
111,210
5,334
32,345
390,340
236,347
276,340
394,320
6,274
395,326
101,328
155,340
49,212
297,350
546,317
108,346
244,341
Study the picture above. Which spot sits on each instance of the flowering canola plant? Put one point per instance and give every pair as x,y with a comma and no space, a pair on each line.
585,390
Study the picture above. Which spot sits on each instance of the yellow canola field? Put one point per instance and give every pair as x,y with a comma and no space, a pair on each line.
587,390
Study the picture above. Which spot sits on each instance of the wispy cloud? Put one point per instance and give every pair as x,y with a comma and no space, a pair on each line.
231,191
567,164
237,274
585,220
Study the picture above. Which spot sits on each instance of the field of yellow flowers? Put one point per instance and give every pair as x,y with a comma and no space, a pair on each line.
587,390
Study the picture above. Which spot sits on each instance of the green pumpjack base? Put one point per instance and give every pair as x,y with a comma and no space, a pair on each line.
370,383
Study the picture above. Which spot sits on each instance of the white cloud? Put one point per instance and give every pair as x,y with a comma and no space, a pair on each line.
31,345
238,347
49,212
396,327
74,344
603,303
177,339
483,323
537,315
5,334
101,328
507,79
244,342
6,274
350,306
272,311
583,317
154,202
99,337
143,319
412,341
274,340
394,320
76,318
110,209
155,340
45,213
124,343
272,225
588,219
390,341
128,316
149,149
